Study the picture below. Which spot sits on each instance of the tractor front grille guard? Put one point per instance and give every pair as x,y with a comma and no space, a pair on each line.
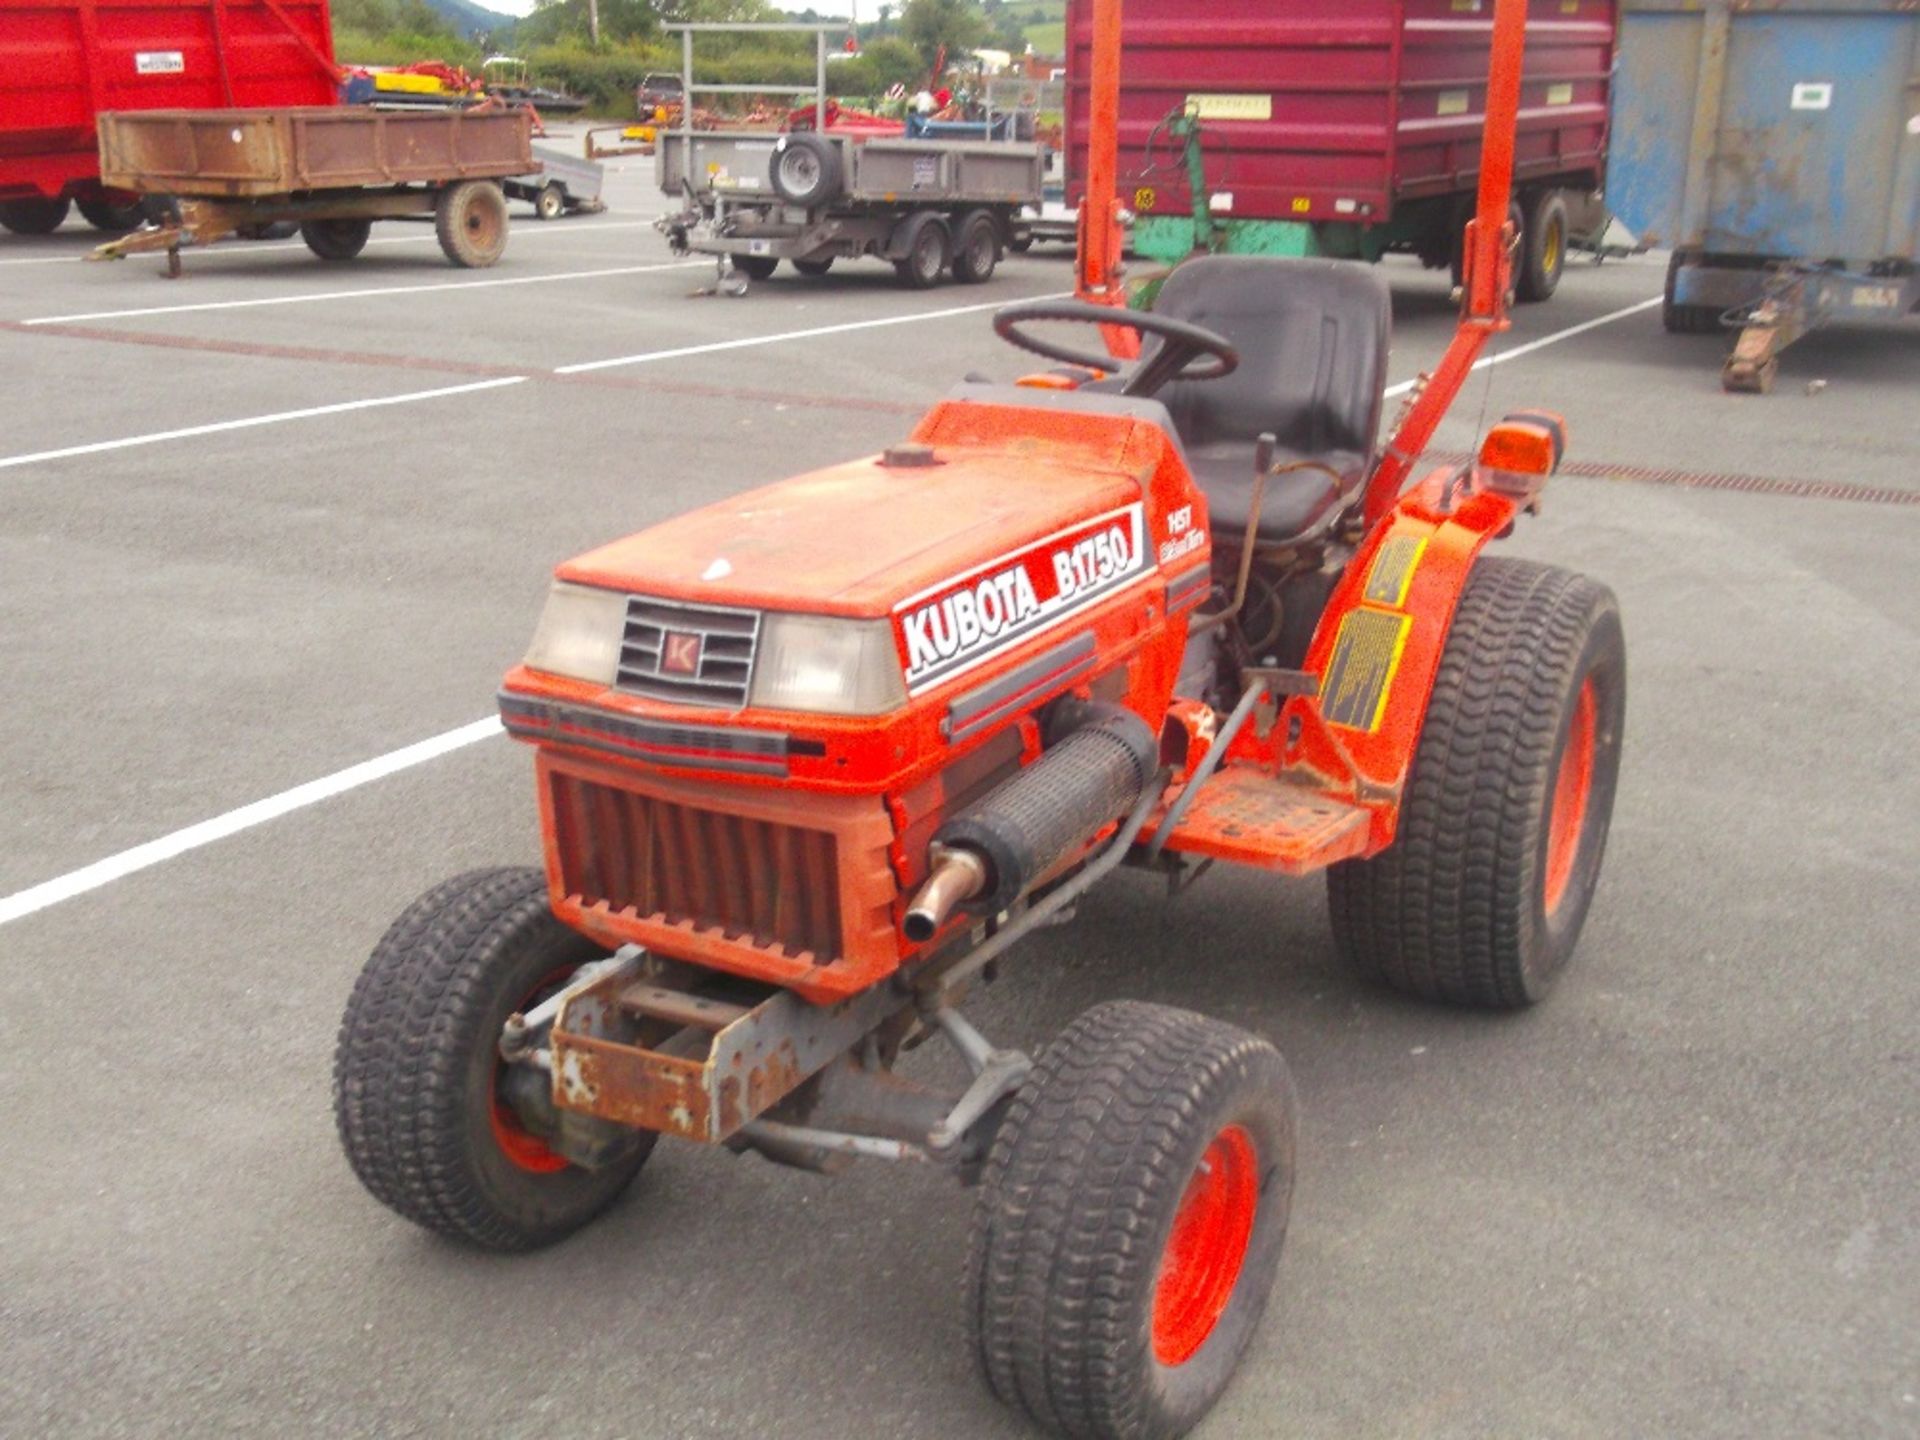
688,654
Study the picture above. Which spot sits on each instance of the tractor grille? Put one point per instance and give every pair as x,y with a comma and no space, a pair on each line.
688,654
751,880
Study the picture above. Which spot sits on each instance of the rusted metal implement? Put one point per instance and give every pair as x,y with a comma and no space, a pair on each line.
332,170
812,761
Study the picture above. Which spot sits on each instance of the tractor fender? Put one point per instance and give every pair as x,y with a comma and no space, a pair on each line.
1378,645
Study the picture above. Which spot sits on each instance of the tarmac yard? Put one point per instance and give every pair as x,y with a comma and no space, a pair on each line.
269,536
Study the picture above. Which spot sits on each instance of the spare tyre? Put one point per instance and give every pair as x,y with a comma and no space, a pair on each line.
805,169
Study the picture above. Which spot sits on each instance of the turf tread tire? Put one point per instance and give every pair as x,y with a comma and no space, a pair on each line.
1453,910
1077,1192
430,992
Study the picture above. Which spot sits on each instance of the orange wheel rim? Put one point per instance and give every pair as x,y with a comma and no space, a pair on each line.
520,1145
1207,1246
1572,788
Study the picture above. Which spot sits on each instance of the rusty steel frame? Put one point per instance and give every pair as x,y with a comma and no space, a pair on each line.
206,222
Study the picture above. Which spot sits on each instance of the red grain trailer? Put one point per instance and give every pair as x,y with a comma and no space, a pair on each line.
1342,127
63,62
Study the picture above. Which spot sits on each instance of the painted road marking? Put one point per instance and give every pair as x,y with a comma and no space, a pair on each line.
374,292
1486,363
681,352
129,441
179,842
129,862
278,247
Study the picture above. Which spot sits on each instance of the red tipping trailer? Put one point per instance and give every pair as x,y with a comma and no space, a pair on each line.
64,62
1342,127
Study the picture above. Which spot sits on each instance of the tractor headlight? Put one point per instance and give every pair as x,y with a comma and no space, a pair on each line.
827,666
579,633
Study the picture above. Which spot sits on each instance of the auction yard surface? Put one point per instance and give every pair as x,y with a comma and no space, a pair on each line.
1677,1199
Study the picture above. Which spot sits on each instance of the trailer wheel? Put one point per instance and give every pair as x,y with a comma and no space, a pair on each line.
1480,899
924,251
551,202
976,247
108,216
471,220
336,239
805,169
1543,246
417,1072
814,268
1685,319
1129,1221
33,216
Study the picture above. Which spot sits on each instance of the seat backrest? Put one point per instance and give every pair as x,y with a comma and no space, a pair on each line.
1312,336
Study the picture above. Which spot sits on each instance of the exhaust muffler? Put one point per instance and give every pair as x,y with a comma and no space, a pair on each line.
988,856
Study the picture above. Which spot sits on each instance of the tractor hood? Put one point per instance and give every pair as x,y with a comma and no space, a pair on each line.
860,538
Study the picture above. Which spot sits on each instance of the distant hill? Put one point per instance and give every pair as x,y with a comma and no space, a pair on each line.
474,20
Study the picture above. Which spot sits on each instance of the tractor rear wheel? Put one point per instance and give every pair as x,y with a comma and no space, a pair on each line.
814,269
470,219
1480,898
336,239
1129,1221
33,216
418,1080
756,267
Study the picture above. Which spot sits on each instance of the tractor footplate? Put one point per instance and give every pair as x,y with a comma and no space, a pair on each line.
1251,817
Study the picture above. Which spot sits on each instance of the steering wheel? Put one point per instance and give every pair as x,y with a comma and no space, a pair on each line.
1182,344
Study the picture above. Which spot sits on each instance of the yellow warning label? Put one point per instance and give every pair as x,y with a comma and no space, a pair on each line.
1359,677
1143,198
1392,573
1302,204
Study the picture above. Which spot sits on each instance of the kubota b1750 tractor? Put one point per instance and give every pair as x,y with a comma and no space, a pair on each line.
810,759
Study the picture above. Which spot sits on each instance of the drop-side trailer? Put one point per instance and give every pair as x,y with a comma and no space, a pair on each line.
1776,151
65,62
1347,128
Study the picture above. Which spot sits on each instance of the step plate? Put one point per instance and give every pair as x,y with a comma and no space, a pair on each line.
1250,817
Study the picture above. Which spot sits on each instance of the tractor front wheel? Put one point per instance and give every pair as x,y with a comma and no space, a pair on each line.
1129,1221
33,215
1480,898
418,1083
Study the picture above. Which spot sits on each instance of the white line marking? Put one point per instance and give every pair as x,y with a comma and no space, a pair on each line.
277,247
374,291
682,351
1395,391
140,857
153,852
129,441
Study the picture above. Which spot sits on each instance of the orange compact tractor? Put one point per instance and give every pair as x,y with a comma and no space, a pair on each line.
812,759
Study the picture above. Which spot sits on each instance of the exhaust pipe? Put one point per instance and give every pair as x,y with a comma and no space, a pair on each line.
957,876
989,855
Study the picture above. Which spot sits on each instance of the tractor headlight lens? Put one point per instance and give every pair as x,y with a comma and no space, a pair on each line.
579,633
827,666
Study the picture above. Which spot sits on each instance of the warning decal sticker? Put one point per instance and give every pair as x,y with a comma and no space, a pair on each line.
1365,656
1393,567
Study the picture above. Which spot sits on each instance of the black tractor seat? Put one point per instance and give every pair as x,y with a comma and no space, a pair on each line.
1313,338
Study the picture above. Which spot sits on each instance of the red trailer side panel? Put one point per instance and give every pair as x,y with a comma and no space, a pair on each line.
1334,110
64,61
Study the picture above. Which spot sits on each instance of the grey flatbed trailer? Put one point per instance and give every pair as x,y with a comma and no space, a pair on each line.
561,184
932,207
